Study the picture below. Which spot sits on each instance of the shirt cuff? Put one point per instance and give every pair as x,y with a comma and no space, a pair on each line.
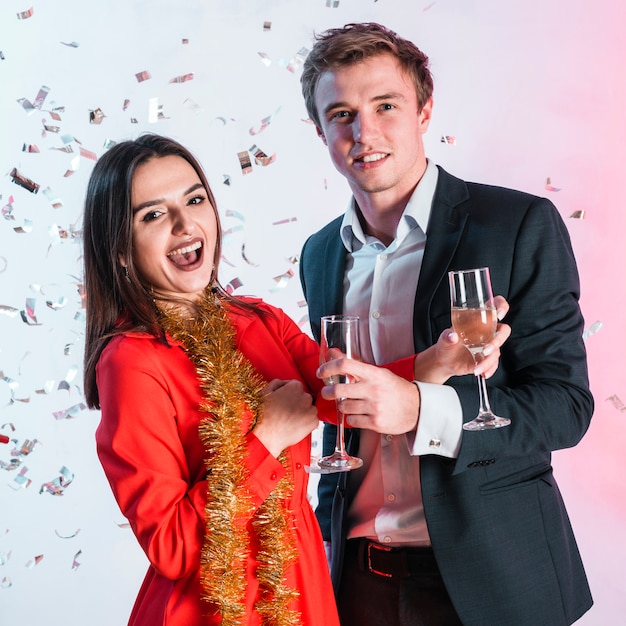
440,426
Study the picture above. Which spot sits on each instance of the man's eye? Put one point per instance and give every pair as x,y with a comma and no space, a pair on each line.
341,114
387,107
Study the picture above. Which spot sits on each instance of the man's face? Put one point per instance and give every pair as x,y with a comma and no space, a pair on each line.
372,125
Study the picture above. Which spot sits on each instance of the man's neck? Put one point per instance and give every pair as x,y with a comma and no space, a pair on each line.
380,213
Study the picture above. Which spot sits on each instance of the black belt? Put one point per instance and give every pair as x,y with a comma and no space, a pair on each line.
393,562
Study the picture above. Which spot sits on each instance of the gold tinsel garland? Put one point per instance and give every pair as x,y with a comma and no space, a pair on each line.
231,387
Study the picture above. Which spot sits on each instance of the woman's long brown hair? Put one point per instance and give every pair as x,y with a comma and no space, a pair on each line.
117,301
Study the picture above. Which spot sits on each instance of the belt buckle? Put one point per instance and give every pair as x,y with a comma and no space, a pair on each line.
371,545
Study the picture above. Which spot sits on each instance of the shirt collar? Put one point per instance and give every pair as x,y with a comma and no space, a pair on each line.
416,212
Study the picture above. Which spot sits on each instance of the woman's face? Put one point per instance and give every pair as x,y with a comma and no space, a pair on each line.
174,228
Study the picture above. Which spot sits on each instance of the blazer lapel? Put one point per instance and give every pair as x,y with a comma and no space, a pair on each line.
445,227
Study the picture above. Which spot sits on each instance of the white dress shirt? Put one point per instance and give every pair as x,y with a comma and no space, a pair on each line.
380,284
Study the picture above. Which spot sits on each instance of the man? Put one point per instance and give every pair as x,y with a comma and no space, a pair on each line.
440,526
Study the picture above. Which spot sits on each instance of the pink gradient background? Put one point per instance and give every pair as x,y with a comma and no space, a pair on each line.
530,90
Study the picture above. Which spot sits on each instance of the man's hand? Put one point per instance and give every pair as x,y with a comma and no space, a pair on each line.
378,399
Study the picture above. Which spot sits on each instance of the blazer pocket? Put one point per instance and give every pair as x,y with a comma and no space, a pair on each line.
518,479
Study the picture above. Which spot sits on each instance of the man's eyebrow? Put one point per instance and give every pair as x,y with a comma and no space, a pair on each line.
392,95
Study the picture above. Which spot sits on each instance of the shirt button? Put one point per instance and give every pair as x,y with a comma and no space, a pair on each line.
387,539
434,443
391,497
383,257
388,437
376,314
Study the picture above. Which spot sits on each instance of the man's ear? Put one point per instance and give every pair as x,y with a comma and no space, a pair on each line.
320,134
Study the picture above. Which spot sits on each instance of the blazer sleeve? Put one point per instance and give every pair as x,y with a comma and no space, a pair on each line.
542,382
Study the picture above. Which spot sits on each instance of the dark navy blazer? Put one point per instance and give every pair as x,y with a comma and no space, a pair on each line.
498,525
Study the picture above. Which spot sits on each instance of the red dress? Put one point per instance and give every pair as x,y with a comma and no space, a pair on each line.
149,446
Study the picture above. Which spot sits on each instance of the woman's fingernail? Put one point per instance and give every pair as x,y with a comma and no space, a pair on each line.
488,349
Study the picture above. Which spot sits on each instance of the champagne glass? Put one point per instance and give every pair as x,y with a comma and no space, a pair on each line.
474,318
340,337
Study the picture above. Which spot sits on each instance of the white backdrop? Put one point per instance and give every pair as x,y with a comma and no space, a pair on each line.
531,90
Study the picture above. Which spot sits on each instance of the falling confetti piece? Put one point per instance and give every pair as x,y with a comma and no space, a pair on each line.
8,310
4,557
30,148
183,78
75,563
193,106
260,158
592,330
3,265
244,161
72,44
297,61
265,122
141,76
617,403
265,58
25,228
267,26
28,313
7,209
429,6
550,187
227,180
23,181
234,284
96,116
56,202
245,257
67,536
21,481
332,4
34,561
578,215
4,439
24,15
25,449
70,413
6,583
285,221
57,486
449,139
283,280
155,111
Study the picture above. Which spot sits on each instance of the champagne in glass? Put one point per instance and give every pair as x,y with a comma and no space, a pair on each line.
340,337
474,318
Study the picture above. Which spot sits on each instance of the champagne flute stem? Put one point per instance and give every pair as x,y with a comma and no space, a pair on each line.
340,446
485,408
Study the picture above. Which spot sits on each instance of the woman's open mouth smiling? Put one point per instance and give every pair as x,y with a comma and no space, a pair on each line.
186,255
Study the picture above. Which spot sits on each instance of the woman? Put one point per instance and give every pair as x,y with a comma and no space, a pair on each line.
205,400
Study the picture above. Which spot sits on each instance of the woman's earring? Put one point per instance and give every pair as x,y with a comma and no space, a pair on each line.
126,273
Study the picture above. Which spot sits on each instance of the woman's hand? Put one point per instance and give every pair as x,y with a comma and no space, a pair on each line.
288,415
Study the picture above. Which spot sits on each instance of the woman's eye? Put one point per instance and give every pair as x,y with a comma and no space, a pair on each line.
197,199
150,215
